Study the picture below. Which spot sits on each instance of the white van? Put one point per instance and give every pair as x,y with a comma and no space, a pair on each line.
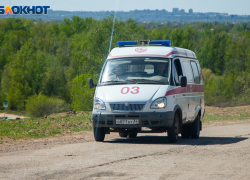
149,87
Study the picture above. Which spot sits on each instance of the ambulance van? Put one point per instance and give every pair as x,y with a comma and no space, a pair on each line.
149,87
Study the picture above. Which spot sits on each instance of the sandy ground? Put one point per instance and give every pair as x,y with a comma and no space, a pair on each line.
222,152
11,116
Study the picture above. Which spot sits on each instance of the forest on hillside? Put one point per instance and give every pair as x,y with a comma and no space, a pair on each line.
46,65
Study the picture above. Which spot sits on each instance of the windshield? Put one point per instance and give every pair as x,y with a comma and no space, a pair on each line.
136,70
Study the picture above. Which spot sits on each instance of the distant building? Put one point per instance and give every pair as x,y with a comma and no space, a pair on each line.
176,10
182,11
191,11
233,16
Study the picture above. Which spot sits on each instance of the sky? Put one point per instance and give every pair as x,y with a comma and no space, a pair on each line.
240,7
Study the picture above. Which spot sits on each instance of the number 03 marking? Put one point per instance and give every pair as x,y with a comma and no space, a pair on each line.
135,90
125,90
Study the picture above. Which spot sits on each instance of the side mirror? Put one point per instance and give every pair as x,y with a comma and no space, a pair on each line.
183,81
91,84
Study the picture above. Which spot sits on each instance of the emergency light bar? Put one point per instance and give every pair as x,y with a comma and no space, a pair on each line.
126,43
154,42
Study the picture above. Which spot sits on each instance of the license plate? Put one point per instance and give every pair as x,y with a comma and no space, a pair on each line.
127,121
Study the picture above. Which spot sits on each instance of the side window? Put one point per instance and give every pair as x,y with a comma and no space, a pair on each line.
196,72
188,71
177,72
199,70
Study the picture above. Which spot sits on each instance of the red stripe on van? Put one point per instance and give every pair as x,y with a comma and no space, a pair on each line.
188,88
171,53
198,88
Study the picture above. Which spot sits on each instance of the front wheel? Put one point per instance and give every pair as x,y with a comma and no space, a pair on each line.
174,130
99,134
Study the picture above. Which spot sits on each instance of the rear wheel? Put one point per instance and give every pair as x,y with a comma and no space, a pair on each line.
174,130
185,134
99,134
195,128
123,134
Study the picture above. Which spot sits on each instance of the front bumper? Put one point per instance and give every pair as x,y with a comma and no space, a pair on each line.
146,119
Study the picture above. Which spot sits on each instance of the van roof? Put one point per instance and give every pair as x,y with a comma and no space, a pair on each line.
150,51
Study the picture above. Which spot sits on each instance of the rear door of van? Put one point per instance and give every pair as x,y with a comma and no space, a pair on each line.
194,94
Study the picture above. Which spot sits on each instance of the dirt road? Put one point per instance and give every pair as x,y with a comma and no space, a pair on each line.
222,152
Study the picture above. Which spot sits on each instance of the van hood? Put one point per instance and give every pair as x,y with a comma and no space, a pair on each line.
130,93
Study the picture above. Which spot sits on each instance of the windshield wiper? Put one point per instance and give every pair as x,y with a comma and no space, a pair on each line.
131,80
113,82
147,81
118,82
135,81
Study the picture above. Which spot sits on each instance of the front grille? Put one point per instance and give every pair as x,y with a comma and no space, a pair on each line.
127,106
154,122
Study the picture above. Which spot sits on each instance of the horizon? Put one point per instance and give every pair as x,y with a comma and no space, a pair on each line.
232,7
143,10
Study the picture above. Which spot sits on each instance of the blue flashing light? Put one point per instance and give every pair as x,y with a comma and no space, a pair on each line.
161,42
124,43
154,42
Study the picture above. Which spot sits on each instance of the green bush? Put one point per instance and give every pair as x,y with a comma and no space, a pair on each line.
40,105
243,87
81,95
227,89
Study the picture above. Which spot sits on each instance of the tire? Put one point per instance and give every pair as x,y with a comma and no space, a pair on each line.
174,130
195,128
99,134
132,135
123,134
185,134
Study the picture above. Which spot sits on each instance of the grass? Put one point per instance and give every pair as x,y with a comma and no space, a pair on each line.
226,113
210,118
44,127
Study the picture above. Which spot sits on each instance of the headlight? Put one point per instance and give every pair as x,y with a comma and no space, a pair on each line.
99,104
159,103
